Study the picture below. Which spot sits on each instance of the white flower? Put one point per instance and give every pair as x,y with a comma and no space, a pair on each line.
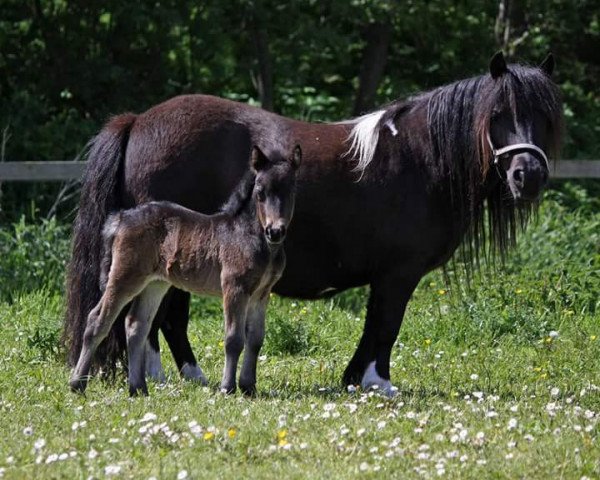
39,444
381,424
512,424
364,466
92,454
27,431
52,458
351,388
553,334
112,469
149,417
474,376
183,474
554,392
328,407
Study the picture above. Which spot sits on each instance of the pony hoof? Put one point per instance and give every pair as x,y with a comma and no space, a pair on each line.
193,373
372,381
248,390
141,391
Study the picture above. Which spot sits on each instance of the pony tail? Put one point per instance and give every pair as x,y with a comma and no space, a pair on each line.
100,195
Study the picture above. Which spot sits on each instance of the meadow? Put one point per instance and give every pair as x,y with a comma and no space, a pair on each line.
498,377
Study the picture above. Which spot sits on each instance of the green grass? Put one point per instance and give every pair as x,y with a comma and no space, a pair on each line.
499,380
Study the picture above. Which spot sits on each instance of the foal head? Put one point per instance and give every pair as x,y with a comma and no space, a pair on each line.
522,113
274,191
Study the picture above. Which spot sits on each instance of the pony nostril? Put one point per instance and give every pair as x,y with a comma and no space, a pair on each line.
519,176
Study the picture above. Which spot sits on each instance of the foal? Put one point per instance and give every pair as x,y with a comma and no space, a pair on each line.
237,253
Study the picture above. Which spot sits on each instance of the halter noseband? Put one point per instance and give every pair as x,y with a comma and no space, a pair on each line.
523,147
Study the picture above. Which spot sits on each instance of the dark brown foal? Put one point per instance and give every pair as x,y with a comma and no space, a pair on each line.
237,253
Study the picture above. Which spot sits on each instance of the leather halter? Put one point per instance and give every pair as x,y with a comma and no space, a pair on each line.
510,150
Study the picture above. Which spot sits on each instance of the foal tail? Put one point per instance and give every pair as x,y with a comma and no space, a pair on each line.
108,236
100,195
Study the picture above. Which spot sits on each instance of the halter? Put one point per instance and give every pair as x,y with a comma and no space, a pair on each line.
507,151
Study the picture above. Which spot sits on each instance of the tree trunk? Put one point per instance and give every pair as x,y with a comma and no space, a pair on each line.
264,77
378,36
511,26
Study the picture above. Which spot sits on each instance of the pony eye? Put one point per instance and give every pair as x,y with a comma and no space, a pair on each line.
496,112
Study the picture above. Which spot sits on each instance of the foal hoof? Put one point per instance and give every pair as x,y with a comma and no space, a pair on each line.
78,385
227,390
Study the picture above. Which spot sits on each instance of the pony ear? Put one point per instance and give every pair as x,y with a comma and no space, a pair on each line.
498,65
258,160
296,157
547,65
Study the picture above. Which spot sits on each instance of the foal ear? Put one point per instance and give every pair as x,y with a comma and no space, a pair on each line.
258,160
498,65
547,65
296,157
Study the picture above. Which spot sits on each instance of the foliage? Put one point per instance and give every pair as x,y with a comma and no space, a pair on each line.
499,379
65,66
33,256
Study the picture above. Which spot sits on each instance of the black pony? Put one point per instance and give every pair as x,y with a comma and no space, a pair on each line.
381,199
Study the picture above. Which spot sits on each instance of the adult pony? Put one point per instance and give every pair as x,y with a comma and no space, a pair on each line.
381,199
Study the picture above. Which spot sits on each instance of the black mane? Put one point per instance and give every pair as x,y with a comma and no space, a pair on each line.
458,157
241,196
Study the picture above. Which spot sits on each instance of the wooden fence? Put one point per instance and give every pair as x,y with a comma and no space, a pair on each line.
69,170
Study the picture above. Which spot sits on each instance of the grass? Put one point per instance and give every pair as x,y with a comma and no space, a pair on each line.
499,380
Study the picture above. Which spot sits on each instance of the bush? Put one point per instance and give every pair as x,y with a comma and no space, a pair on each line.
33,256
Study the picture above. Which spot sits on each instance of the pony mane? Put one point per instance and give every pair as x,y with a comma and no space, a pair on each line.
363,138
241,196
455,151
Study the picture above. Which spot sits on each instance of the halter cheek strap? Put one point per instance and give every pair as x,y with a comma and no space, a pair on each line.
517,147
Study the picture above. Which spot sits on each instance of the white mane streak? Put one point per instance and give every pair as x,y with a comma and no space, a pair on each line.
363,138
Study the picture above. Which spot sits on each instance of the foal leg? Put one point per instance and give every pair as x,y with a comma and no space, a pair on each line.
152,362
99,323
370,365
235,306
255,335
137,325
175,311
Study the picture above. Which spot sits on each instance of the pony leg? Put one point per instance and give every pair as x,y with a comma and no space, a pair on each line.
175,311
370,365
235,306
99,323
255,335
137,325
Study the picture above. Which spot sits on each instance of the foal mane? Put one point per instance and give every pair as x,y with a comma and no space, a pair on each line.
455,151
241,196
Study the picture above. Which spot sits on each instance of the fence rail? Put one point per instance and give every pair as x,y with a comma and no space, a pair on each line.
69,170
